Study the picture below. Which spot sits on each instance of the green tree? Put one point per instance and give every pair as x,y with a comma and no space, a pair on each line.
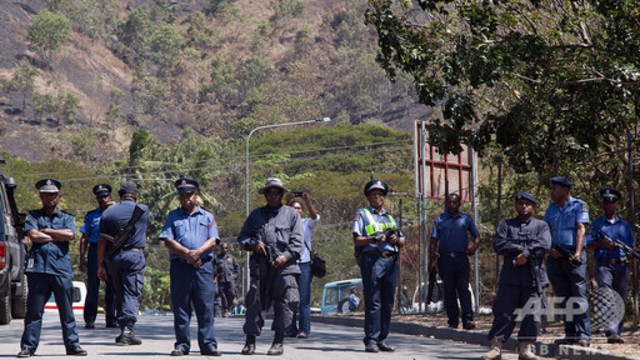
165,47
47,32
136,31
548,81
287,9
200,33
255,71
23,80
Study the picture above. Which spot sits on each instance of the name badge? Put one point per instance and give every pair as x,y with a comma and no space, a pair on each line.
30,263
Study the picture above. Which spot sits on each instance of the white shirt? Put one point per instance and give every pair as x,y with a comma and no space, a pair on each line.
309,224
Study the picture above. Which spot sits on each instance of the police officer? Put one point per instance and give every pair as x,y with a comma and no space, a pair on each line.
49,270
304,280
612,266
190,233
378,260
125,269
354,300
568,218
274,234
90,231
523,241
449,248
227,271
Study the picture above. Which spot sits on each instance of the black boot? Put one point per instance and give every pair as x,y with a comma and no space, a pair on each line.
277,348
130,338
249,346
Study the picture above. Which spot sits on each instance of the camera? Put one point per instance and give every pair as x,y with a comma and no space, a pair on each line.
297,193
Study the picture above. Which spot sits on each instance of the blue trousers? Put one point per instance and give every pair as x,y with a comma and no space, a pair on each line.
193,286
40,288
379,279
509,299
454,273
93,288
304,286
570,281
616,277
126,274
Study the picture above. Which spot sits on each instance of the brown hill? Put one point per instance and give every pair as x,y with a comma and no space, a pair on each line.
280,64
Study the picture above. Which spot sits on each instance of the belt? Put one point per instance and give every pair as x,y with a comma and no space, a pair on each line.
453,254
93,244
132,249
181,260
623,260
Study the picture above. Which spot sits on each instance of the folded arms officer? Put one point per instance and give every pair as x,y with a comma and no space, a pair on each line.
49,270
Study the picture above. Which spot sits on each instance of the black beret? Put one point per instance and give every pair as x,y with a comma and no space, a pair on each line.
102,190
186,185
561,180
48,185
128,188
610,194
523,195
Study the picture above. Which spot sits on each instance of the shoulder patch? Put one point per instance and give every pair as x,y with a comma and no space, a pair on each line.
584,207
357,217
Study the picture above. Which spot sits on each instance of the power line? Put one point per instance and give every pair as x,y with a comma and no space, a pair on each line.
160,164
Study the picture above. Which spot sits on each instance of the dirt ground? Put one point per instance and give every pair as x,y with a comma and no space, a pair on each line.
554,330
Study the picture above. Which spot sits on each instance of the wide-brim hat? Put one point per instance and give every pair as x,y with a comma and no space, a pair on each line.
272,182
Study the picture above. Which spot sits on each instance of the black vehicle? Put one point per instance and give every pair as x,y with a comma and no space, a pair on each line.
13,281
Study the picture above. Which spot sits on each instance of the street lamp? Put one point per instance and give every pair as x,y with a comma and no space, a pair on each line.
247,186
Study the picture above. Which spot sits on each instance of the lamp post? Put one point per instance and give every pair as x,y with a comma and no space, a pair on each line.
245,285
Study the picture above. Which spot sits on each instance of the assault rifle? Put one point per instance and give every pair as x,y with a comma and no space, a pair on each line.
620,245
566,253
123,234
384,234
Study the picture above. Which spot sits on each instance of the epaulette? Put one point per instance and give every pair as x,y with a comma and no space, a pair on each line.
92,211
66,212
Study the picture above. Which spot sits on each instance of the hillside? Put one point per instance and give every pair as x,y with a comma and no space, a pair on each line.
220,67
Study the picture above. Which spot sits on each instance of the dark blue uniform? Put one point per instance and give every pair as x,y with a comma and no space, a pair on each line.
612,268
453,264
126,267
281,229
379,271
49,271
568,280
532,239
91,228
227,270
191,285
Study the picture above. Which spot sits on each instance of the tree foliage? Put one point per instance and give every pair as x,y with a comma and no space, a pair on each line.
47,32
546,81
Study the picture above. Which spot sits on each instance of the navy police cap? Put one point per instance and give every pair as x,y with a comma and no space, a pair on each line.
376,184
102,190
186,185
610,194
48,185
561,180
523,195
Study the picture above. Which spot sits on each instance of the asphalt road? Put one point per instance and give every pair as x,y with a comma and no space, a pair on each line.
326,342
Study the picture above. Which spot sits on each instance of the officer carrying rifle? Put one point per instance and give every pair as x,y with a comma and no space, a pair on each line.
274,233
523,241
613,241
